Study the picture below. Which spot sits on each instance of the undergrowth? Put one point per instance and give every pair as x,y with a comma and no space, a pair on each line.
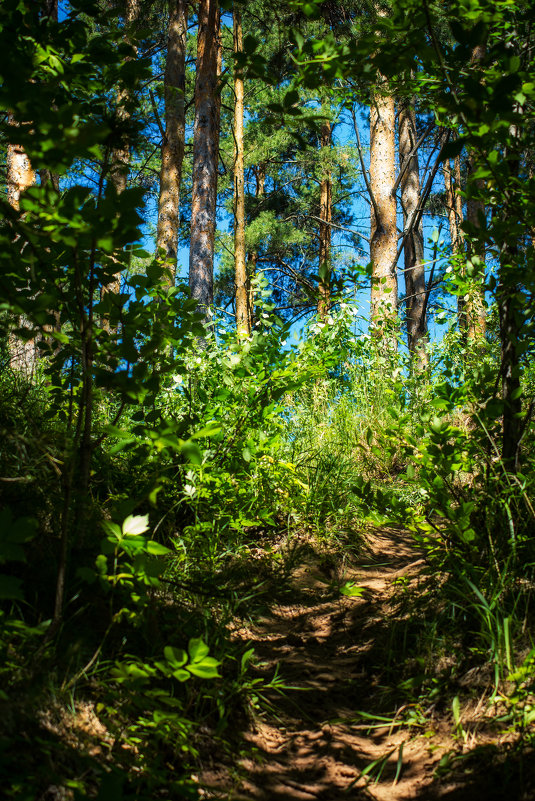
199,502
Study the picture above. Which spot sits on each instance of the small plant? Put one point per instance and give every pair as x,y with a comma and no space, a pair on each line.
520,700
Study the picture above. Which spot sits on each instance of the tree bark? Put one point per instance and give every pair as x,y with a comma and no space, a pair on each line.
511,321
20,173
510,361
205,156
383,240
243,317
19,176
325,226
51,9
120,157
474,303
413,245
260,179
458,203
50,13
450,206
454,204
174,139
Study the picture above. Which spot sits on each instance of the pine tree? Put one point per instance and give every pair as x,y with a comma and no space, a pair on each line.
383,233
413,243
205,155
174,136
243,317
325,225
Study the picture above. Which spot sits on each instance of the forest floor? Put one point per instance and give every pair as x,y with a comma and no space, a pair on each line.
315,737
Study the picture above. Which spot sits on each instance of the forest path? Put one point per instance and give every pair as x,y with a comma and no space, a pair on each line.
313,744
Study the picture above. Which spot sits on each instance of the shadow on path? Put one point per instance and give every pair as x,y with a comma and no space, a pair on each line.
315,744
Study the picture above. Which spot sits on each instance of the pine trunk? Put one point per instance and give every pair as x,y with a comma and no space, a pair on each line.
205,156
120,160
413,244
50,13
260,176
510,363
458,203
450,206
325,226
243,317
174,138
474,304
383,240
512,323
20,173
19,176
120,157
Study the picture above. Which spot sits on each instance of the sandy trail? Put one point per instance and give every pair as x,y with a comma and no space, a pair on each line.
314,745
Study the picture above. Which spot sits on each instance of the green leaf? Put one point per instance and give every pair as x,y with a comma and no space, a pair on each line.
351,590
175,656
246,658
101,564
181,675
112,530
134,525
250,44
197,649
156,549
207,669
192,452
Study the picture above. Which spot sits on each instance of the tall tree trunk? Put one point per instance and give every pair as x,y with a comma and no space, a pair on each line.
325,225
174,138
454,204
120,161
205,156
383,240
511,322
260,179
510,360
50,14
19,176
458,202
120,157
413,245
474,305
51,9
449,189
243,317
20,173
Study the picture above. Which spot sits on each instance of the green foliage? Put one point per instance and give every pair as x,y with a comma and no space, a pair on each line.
519,699
210,448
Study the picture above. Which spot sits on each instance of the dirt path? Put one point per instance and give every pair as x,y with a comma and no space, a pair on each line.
314,744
